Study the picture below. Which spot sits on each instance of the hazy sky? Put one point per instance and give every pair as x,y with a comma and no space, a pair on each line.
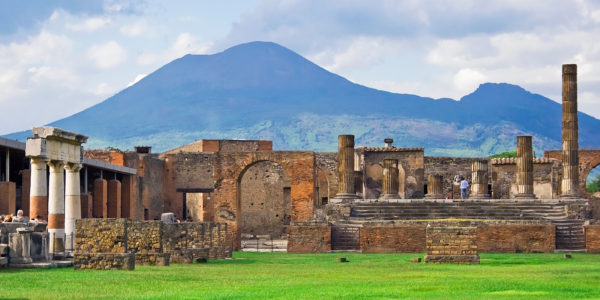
59,57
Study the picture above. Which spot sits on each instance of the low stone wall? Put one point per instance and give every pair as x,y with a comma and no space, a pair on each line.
104,261
101,236
592,238
309,238
392,239
451,244
152,242
509,238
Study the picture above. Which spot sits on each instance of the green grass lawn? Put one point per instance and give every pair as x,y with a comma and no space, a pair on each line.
318,276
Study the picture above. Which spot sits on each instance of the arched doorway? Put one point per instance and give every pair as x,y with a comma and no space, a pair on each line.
592,182
264,200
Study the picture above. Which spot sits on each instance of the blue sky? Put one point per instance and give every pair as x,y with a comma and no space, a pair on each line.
59,57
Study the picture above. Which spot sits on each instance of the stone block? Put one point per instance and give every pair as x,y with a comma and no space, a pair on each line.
40,246
152,259
104,261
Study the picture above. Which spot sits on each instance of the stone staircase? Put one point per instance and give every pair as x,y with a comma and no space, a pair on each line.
569,232
263,243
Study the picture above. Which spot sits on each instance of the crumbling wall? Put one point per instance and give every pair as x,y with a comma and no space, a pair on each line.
592,238
517,238
546,178
411,170
327,176
448,167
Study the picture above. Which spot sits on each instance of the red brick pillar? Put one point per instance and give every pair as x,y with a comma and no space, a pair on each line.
86,206
114,198
100,198
128,197
8,197
25,181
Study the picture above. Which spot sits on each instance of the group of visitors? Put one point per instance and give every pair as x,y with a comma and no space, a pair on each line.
19,218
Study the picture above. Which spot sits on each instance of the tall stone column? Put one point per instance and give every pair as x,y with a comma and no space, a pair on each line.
56,207
479,178
524,168
435,188
570,133
38,195
346,167
72,202
390,179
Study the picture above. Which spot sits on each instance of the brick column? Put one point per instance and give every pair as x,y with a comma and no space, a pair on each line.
100,199
38,194
524,168
435,188
114,199
72,202
56,207
390,179
479,180
570,131
25,187
346,188
128,197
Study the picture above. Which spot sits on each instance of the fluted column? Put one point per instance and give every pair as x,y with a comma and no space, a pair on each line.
524,168
346,167
435,187
72,202
56,207
479,179
38,194
390,179
570,131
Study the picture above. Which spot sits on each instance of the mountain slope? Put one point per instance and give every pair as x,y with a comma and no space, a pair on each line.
263,90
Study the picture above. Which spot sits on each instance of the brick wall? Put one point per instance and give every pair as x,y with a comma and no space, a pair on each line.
392,239
309,238
452,244
592,238
507,238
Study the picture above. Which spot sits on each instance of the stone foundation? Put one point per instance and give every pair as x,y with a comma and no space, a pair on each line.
392,239
152,259
451,244
517,238
104,261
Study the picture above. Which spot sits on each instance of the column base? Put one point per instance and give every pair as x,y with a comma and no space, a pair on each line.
344,198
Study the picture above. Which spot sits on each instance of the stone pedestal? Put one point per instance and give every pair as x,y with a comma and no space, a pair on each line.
346,189
479,180
20,247
435,188
390,179
570,132
524,161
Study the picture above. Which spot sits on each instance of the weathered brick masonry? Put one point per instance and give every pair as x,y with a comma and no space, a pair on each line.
452,244
592,238
391,239
309,238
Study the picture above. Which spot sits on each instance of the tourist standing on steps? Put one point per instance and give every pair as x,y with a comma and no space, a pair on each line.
464,187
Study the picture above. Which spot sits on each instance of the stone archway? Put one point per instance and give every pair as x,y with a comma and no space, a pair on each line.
264,200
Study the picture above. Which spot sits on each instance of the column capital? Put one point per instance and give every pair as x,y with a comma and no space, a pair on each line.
56,164
38,160
73,167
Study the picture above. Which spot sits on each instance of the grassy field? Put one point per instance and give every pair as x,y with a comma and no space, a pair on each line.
318,276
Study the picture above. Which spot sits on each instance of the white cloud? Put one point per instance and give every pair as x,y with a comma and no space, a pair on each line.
135,29
467,80
89,25
137,78
185,43
107,55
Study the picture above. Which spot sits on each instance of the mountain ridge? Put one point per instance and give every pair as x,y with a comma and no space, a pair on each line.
264,90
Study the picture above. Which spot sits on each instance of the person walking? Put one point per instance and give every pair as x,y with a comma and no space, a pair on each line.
464,187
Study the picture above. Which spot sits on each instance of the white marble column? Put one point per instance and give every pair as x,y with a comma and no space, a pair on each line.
56,207
38,194
72,202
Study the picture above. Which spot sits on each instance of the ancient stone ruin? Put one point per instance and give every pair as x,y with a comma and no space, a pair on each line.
368,199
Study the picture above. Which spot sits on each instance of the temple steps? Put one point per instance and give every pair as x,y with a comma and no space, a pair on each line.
569,232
